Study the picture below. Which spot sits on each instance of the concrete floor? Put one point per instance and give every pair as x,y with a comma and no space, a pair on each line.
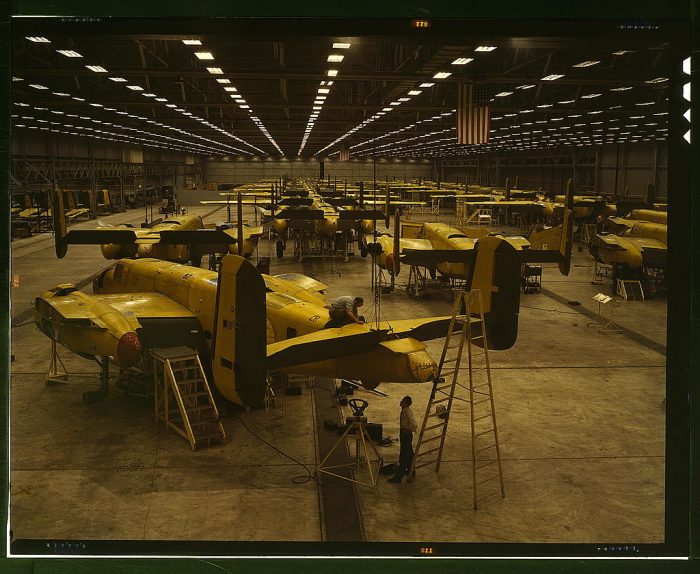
581,418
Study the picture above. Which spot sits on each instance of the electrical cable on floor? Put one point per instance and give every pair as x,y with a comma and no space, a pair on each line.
301,479
24,324
552,310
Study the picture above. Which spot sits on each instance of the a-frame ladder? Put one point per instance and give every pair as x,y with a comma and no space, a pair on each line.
470,383
183,399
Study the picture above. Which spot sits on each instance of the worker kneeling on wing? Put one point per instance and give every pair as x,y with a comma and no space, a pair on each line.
343,311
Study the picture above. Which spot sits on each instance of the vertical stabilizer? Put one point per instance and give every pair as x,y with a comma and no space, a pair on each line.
59,223
239,347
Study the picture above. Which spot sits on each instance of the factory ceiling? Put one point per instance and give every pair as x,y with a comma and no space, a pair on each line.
247,87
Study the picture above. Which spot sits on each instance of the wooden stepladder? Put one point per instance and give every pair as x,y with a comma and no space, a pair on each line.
467,381
183,399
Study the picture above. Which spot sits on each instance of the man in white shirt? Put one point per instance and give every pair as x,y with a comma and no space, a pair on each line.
407,426
343,310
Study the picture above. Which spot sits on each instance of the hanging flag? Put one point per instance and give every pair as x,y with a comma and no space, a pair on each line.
344,153
473,114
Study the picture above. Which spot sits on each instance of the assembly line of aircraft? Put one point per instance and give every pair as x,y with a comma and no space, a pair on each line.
245,324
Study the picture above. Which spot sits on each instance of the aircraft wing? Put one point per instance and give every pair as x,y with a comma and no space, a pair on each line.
410,244
145,305
101,235
233,202
303,281
351,340
430,258
135,306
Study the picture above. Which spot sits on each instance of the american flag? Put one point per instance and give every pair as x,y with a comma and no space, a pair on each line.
344,153
473,114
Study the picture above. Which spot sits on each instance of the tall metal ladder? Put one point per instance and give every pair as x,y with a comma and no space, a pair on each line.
473,383
183,399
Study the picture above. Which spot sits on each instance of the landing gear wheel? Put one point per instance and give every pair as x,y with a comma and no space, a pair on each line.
280,248
363,250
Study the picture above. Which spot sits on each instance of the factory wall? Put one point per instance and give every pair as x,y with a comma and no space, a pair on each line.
607,170
256,169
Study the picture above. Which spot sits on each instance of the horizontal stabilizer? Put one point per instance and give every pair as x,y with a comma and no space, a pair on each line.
196,237
300,214
297,201
359,214
353,339
100,236
540,255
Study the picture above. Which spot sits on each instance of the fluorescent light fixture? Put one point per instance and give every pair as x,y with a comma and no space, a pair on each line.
323,91
586,64
335,58
566,102
170,105
686,66
341,45
656,81
545,106
136,88
332,73
525,87
223,81
94,105
588,96
161,100
204,55
414,92
502,94
387,109
621,89
621,52
215,70
484,48
230,89
38,39
96,68
148,95
245,106
551,77
62,94
395,104
441,75
461,61
38,86
317,107
645,104
192,42
404,99
69,53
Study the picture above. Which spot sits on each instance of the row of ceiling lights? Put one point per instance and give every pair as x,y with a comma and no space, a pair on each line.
148,94
74,117
230,90
440,75
323,91
137,117
584,64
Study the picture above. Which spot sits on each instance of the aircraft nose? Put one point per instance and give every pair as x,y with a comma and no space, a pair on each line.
129,350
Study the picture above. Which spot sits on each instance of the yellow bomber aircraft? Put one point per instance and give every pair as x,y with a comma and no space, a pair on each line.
453,253
181,238
244,323
637,242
